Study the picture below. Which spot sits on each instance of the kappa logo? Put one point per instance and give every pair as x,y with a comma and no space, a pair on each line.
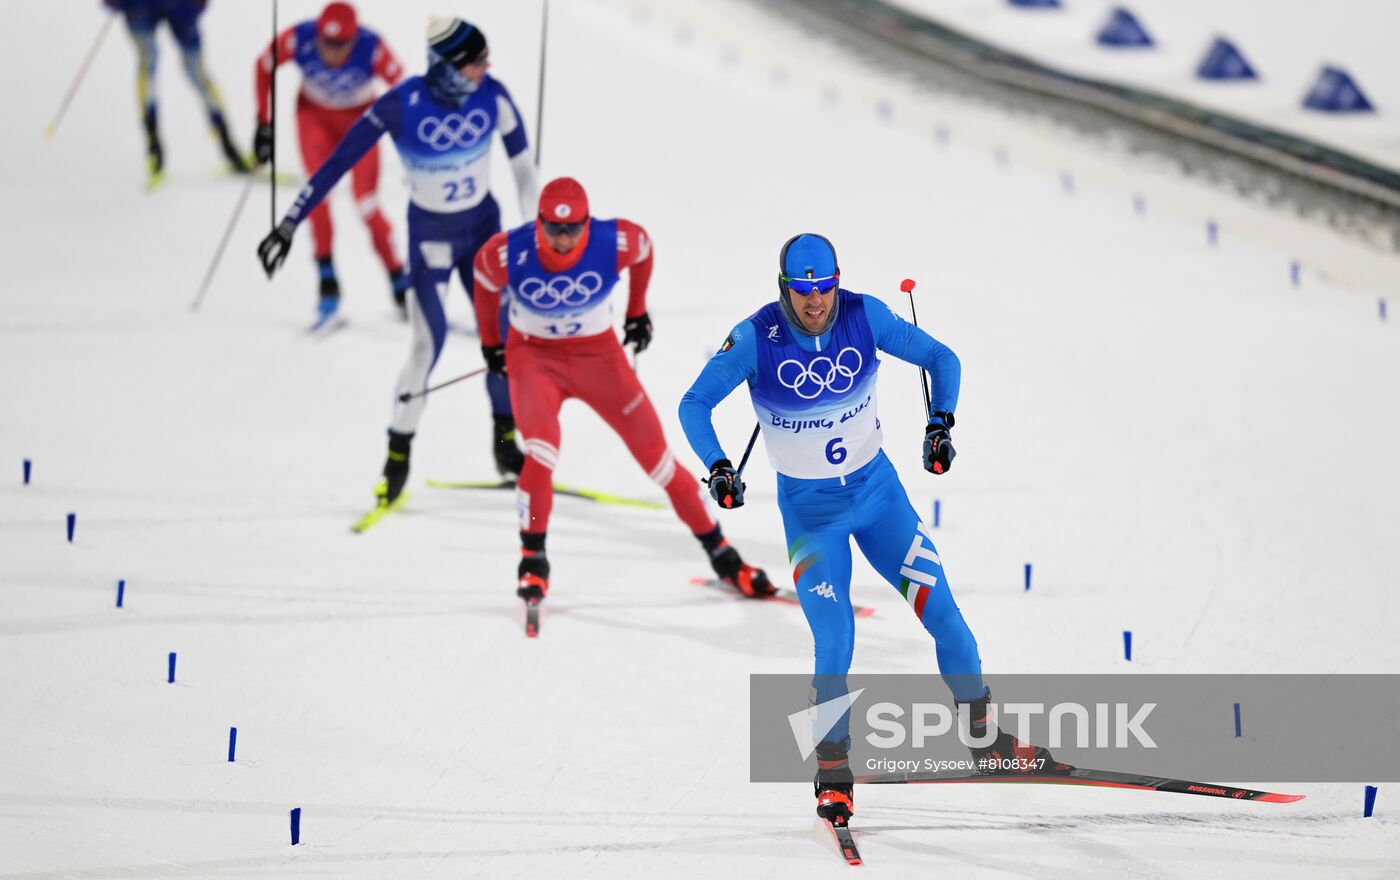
826,591
773,332
454,129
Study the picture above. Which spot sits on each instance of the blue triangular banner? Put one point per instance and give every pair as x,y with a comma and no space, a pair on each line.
1036,4
1336,92
1224,61
1123,30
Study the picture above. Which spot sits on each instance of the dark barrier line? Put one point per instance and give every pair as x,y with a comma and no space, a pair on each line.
1296,155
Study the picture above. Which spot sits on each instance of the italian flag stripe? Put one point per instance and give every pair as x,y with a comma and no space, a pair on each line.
916,594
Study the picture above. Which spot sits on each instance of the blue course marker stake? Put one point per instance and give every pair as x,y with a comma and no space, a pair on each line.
1370,805
170,679
28,466
937,512
1139,205
1382,308
72,524
296,825
1237,721
1067,182
1127,645
121,592
1212,232
1028,576
941,134
232,742
1295,272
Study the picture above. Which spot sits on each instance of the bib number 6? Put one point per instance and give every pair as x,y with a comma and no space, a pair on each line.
835,452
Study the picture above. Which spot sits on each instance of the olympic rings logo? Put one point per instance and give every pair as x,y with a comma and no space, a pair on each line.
822,374
339,80
454,129
560,290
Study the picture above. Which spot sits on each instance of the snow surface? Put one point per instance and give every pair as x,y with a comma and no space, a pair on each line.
1183,443
1287,42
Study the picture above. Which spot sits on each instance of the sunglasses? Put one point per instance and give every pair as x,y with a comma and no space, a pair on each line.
570,229
334,45
808,286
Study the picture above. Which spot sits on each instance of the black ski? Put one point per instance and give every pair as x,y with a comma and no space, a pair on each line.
1086,776
532,618
841,830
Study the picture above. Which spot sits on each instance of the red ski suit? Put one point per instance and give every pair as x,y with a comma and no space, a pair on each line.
545,372
329,102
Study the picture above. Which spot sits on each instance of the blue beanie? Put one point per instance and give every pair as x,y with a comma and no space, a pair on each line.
808,256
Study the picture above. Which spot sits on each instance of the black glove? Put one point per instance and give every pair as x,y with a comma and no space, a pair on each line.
262,143
495,357
725,486
637,330
938,444
272,251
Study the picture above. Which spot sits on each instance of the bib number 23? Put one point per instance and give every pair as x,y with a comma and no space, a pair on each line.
457,190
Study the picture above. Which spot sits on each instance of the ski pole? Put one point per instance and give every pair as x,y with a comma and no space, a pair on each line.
223,242
272,121
539,113
748,450
77,80
907,285
407,396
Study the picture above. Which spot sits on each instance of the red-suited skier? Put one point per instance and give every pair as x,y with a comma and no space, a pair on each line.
557,274
340,60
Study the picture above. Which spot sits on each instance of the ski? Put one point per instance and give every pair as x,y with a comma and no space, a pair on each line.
785,596
284,178
559,489
325,325
1088,777
379,511
532,618
841,830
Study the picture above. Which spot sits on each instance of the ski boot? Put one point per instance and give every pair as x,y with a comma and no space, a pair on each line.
398,285
328,302
1006,754
834,785
155,153
730,568
532,584
533,577
509,459
390,487
237,163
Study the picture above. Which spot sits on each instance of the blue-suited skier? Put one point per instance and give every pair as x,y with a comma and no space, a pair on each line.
810,360
182,17
442,125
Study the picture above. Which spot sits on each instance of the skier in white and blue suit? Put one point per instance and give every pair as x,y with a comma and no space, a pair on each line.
442,125
810,360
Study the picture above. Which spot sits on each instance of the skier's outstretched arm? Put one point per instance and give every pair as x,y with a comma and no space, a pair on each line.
907,342
731,366
384,115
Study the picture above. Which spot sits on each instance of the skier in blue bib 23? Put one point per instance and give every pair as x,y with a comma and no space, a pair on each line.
811,361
